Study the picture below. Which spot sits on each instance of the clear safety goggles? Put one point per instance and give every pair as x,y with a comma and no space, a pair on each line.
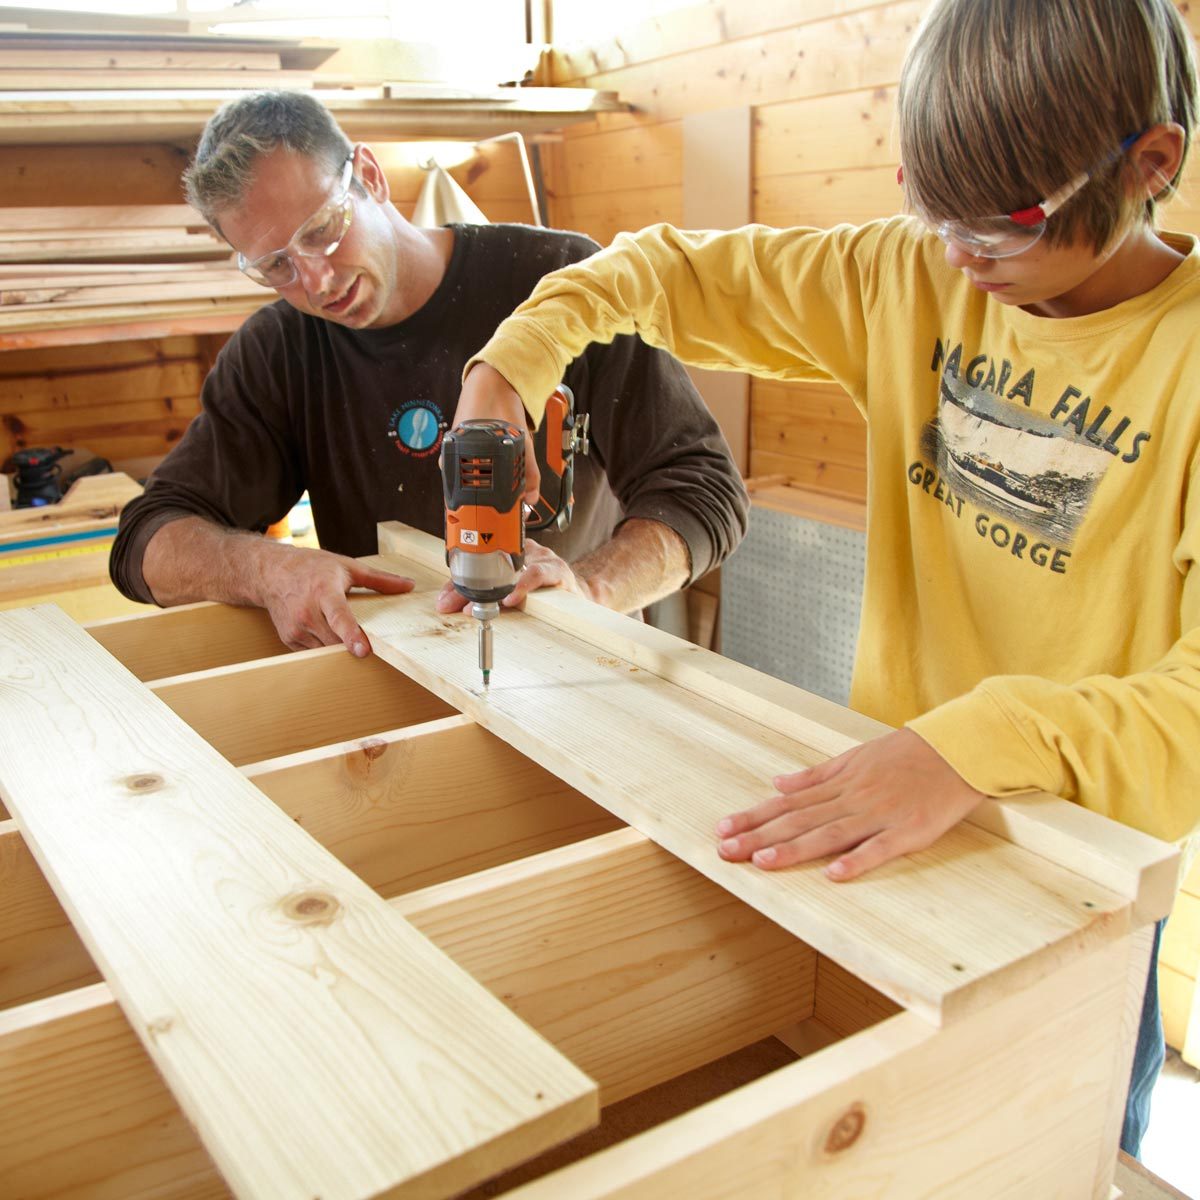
1008,234
318,237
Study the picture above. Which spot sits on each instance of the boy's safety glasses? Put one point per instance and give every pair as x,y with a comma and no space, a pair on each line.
318,237
1007,234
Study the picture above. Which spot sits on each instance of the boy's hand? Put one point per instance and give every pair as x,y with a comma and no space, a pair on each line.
882,799
543,569
486,394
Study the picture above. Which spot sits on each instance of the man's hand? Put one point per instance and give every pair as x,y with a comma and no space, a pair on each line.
543,569
882,799
486,394
304,591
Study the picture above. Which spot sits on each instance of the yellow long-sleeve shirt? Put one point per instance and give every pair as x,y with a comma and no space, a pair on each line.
1031,606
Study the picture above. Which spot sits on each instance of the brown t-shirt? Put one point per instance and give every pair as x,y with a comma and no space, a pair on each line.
356,417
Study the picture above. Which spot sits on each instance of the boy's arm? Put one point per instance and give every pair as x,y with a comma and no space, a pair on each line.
785,304
1123,747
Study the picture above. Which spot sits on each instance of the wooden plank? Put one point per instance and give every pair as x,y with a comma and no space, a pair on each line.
160,247
161,642
588,943
73,326
392,808
846,1005
895,1110
827,198
813,506
808,421
292,702
132,173
413,807
23,578
837,479
602,215
1128,862
641,155
138,217
857,50
20,79
153,378
168,416
845,131
56,298
61,534
122,58
974,930
695,27
671,970
132,326
280,997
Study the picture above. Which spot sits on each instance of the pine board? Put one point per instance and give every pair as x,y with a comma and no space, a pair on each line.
942,932
317,1042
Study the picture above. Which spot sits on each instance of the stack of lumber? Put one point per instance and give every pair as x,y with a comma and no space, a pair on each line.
49,552
45,62
82,265
78,88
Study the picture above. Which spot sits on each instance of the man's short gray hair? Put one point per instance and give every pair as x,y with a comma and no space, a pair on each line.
242,130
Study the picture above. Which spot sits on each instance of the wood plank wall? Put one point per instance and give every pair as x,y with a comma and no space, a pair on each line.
820,77
130,401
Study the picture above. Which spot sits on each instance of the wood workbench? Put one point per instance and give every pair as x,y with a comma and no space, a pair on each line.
357,928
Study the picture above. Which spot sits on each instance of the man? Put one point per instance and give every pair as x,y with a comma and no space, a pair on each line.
346,385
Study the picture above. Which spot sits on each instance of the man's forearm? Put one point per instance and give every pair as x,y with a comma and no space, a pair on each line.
645,561
192,559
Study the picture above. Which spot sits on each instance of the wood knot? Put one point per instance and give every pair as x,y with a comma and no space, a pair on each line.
846,1130
373,748
145,783
159,1026
311,908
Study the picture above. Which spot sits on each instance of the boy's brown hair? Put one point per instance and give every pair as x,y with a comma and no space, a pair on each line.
1003,102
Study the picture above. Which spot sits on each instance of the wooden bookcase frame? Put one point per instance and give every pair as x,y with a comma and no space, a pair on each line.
620,952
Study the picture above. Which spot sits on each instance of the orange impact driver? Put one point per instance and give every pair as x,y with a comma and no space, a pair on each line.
483,479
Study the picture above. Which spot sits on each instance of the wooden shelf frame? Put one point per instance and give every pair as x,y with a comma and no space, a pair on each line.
631,962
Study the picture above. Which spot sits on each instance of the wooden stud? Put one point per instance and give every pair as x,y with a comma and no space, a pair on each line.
161,642
291,702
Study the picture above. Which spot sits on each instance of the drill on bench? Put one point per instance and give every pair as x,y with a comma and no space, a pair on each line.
483,479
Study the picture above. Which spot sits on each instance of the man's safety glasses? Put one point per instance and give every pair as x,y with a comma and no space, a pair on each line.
1008,234
318,237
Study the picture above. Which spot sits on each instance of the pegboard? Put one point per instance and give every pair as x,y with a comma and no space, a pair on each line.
791,595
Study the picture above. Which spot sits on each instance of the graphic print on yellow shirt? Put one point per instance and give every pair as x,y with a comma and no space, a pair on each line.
1036,471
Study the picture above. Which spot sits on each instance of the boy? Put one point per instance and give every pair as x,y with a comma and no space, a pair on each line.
1027,369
